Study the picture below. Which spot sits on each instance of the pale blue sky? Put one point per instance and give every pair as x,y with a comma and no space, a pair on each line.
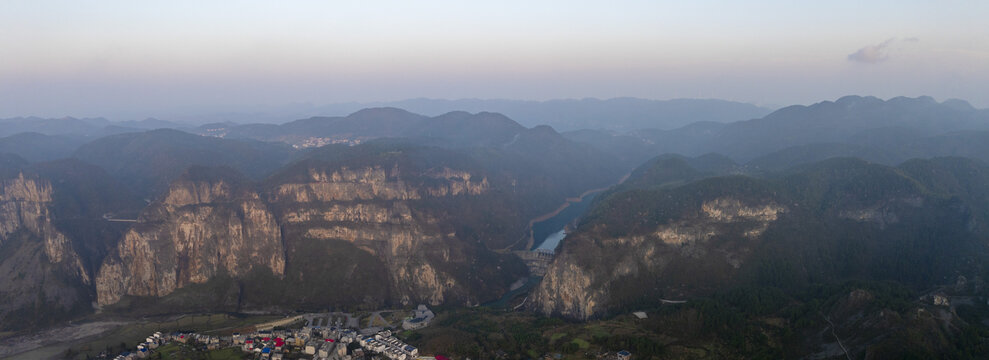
141,58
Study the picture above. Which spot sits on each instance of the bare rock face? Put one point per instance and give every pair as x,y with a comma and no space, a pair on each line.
40,271
329,234
375,183
25,204
202,227
579,281
381,211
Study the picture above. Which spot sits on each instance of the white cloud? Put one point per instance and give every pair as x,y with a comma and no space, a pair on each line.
872,54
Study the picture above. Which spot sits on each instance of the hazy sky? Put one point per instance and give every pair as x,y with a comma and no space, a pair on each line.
143,58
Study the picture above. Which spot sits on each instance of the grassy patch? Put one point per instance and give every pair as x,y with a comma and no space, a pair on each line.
176,351
225,354
598,331
396,316
553,338
583,344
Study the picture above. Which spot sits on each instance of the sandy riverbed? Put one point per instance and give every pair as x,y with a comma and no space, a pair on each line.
51,338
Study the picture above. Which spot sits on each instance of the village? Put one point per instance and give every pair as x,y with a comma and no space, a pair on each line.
317,336
324,337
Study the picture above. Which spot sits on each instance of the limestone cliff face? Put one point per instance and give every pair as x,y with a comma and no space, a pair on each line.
41,274
380,211
375,183
331,234
25,203
580,280
201,228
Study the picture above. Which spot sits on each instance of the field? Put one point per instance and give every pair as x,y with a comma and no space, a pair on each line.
479,333
175,351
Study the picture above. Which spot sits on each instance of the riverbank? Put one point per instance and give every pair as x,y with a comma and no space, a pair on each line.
546,225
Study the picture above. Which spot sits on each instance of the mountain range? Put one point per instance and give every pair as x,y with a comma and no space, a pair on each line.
850,209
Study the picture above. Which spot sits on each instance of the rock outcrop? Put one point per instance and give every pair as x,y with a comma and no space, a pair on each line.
208,223
319,234
39,268
578,286
829,222
384,211
25,204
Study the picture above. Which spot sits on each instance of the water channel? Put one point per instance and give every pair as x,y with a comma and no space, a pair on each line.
549,233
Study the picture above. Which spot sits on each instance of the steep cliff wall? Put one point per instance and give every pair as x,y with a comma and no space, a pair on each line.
711,241
40,272
833,221
24,203
385,211
207,224
319,235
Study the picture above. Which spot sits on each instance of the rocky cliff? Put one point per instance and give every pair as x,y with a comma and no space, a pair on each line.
40,271
832,221
388,210
208,223
716,238
366,231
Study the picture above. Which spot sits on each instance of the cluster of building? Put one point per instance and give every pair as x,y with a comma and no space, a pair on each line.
391,347
313,141
153,341
316,342
330,343
420,318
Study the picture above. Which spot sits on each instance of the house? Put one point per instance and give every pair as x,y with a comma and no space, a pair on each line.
624,355
325,350
414,324
420,318
940,299
142,352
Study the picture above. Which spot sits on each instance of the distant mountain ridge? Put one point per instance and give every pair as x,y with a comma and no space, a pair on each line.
619,114
856,120
148,161
83,127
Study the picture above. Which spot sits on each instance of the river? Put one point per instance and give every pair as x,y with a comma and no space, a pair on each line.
548,233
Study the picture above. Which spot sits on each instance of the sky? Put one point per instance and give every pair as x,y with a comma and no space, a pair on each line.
126,59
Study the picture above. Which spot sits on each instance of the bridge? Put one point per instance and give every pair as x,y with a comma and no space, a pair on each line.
110,218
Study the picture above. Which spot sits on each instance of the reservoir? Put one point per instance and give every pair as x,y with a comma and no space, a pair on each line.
548,233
